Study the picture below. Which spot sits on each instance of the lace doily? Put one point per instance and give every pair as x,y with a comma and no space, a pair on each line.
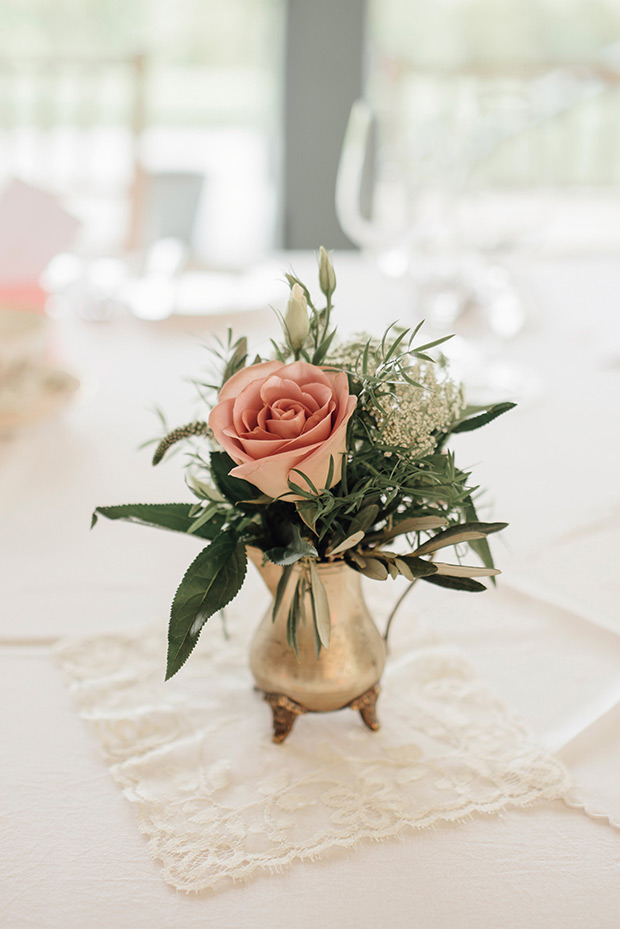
219,801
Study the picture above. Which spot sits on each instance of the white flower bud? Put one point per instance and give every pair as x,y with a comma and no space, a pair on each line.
296,319
327,277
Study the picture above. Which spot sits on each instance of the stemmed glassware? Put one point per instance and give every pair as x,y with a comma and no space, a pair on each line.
415,189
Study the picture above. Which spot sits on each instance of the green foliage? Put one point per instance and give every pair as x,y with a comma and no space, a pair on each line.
177,435
419,501
281,589
174,516
320,609
455,583
483,416
234,489
212,580
294,548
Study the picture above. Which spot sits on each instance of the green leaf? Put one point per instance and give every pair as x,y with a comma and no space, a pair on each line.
364,518
281,590
479,546
330,472
205,517
237,359
419,524
202,490
177,517
395,344
212,580
433,344
402,568
308,511
306,479
320,353
295,548
350,542
372,567
465,532
320,607
292,620
464,570
454,583
233,488
467,425
418,566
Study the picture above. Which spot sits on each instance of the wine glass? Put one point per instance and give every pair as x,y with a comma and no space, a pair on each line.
409,190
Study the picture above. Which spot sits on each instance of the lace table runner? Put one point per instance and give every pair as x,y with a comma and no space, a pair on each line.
219,801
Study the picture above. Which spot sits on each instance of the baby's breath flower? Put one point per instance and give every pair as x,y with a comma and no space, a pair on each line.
415,415
412,416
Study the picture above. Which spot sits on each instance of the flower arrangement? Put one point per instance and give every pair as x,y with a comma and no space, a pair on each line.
327,451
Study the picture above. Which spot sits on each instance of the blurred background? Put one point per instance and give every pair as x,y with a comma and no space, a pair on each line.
222,124
156,154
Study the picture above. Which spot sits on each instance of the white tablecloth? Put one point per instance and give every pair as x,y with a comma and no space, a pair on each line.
546,639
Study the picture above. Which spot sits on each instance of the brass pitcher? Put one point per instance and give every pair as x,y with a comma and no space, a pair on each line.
347,673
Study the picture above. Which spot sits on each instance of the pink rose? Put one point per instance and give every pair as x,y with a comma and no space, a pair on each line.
272,418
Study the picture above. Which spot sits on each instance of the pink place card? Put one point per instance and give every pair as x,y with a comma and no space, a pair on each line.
33,228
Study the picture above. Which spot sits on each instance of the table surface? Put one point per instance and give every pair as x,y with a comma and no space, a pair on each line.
546,639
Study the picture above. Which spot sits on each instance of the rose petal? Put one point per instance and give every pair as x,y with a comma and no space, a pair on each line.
302,372
258,372
248,400
258,449
287,426
271,474
273,418
219,422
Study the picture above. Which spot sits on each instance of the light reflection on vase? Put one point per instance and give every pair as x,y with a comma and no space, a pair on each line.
348,668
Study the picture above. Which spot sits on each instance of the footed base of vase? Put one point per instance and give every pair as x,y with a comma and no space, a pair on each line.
285,711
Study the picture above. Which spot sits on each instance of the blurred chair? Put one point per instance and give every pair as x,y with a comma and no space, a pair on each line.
74,127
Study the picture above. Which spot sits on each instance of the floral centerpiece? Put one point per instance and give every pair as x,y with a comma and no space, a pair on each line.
327,453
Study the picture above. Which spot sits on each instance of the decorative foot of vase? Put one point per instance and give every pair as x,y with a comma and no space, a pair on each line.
367,706
285,711
344,674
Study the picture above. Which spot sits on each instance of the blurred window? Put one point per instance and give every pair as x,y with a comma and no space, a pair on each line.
541,77
111,102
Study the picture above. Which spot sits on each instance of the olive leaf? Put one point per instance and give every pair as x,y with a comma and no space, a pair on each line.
351,542
292,619
281,590
462,570
465,532
293,549
320,607
373,568
455,583
419,524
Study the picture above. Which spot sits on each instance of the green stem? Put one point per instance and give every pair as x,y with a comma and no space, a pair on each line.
396,608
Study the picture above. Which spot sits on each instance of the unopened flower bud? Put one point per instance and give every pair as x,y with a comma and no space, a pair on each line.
296,319
327,277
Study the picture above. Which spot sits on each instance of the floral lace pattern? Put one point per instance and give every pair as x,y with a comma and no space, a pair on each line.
219,801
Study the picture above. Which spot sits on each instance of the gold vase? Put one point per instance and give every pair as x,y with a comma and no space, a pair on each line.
346,674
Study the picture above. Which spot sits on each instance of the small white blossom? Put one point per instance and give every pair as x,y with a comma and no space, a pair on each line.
296,319
413,415
327,276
